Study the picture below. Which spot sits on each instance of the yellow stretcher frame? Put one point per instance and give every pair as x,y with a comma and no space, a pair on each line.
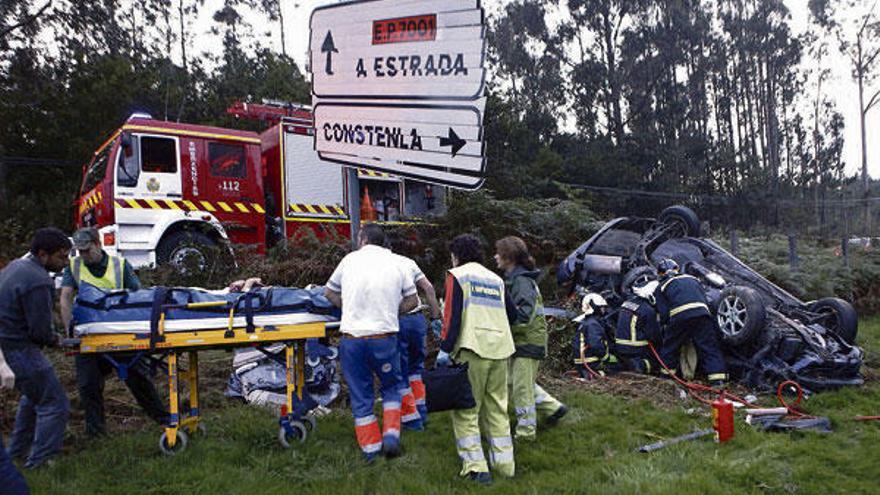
173,344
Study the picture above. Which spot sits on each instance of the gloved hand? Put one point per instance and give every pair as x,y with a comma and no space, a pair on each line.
436,327
7,377
443,359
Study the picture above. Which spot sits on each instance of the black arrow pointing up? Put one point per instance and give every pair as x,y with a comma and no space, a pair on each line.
329,48
453,140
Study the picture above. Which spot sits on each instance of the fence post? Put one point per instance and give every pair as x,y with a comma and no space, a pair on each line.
844,251
792,253
734,243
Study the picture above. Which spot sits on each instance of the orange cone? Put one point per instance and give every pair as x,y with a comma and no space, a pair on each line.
368,212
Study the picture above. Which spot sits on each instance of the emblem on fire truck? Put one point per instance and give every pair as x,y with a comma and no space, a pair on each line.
153,184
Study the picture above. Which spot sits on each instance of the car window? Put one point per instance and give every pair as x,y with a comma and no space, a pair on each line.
128,166
227,160
158,155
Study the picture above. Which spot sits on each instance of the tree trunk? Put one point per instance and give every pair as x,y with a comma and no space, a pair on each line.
181,14
4,195
281,23
861,77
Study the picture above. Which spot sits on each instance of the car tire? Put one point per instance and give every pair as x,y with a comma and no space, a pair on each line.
683,216
740,315
180,246
635,274
841,318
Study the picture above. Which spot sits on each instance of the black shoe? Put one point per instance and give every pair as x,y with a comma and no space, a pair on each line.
391,449
483,478
554,418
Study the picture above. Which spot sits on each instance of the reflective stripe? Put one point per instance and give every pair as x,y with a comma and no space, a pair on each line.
632,328
665,372
405,391
501,457
372,448
411,417
391,432
365,420
391,405
688,306
501,442
472,455
467,442
634,343
526,422
76,266
118,275
647,365
414,378
663,287
522,411
717,376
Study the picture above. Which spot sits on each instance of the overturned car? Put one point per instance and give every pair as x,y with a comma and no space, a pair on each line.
767,334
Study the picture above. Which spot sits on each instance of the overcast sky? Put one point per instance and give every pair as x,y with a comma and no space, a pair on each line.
841,85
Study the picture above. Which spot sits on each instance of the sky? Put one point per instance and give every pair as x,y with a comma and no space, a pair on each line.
840,86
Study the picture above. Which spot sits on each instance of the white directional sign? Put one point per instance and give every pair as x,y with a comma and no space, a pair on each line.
398,49
436,143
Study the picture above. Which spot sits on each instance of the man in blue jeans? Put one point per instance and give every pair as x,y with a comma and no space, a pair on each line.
372,289
10,479
26,299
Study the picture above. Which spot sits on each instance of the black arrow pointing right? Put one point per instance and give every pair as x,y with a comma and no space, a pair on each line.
329,48
453,140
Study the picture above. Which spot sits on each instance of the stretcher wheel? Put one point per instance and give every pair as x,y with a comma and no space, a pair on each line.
179,445
201,429
299,434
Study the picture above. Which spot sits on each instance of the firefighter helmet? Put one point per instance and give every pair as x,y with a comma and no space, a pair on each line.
667,267
591,302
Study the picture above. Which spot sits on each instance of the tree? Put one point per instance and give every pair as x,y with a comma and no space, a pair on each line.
857,30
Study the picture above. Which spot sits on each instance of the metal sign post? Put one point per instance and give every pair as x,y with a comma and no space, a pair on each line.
354,204
398,87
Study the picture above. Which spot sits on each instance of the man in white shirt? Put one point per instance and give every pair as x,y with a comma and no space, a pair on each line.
372,288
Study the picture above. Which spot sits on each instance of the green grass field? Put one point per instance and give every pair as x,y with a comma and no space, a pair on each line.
591,451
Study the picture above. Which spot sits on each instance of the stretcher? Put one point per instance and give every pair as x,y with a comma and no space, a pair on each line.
165,340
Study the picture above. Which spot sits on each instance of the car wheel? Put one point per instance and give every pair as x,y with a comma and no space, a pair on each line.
740,315
682,216
636,274
187,251
839,317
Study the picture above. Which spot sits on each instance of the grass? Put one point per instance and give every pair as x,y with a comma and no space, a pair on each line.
591,451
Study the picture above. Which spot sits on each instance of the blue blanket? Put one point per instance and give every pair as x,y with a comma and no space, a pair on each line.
94,305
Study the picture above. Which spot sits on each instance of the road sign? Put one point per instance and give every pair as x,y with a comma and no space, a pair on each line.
398,49
436,143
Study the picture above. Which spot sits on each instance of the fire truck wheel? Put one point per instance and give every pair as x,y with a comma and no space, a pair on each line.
185,250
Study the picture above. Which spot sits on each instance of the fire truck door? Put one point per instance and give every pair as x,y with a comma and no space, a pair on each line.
232,174
149,168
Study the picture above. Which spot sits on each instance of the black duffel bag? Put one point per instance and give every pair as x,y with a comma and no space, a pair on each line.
447,388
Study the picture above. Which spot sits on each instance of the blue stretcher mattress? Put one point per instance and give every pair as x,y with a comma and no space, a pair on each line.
97,311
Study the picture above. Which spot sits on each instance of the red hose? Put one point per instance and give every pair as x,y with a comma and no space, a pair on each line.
792,408
693,388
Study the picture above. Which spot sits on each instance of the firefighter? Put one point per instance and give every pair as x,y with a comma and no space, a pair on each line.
683,308
94,266
372,288
476,331
591,349
638,327
529,329
26,299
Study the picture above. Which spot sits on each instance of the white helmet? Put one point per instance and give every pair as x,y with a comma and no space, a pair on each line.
646,291
590,301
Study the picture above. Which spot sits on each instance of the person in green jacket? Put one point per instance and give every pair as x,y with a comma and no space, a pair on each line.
529,329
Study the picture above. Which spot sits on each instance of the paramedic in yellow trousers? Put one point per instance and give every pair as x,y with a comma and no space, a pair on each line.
476,332
529,329
95,267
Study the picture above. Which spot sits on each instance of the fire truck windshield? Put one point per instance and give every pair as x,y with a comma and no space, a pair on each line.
96,172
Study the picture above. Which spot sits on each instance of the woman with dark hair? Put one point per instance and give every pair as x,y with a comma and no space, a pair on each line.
476,331
529,329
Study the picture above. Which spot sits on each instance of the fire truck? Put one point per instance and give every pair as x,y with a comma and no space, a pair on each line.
162,191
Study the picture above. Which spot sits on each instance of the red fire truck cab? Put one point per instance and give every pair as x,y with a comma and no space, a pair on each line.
164,191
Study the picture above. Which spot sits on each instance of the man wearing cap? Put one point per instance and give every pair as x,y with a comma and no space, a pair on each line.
94,266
